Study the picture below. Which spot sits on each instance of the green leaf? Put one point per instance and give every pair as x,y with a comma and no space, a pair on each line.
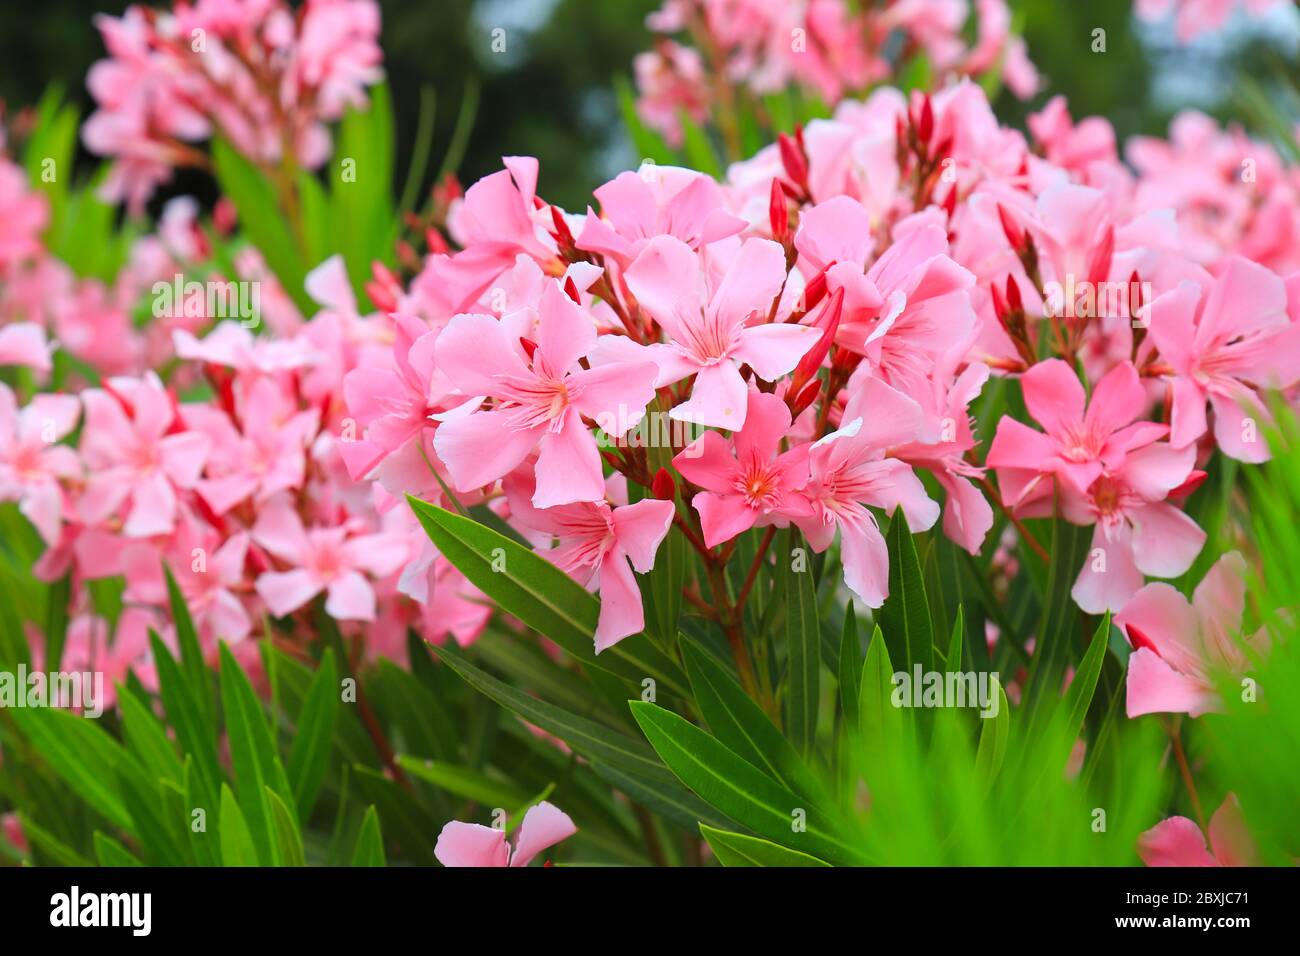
369,850
905,617
736,849
465,782
879,721
648,143
288,840
252,754
663,796
309,755
206,850
1058,622
237,847
993,737
585,736
84,755
738,789
192,663
739,723
1083,685
147,739
262,219
532,589
110,852
803,643
850,665
193,732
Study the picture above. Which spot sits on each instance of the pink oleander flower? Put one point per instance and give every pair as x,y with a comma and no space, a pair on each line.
1179,648
715,311
393,404
24,344
32,463
850,470
1110,471
332,559
1178,841
671,80
137,455
967,516
748,481
541,393
92,645
599,546
497,221
656,201
23,215
209,573
269,454
1077,446
904,312
1224,340
472,844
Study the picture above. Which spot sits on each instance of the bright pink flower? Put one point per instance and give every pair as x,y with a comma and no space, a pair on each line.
209,573
1223,344
23,214
393,404
138,455
967,516
329,559
32,463
91,645
850,471
471,844
267,457
1179,648
1078,445
497,221
540,400
655,201
748,482
716,323
1178,841
599,547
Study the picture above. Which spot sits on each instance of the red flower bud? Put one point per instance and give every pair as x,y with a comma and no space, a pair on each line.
663,487
530,347
571,290
793,160
1014,301
1015,235
778,214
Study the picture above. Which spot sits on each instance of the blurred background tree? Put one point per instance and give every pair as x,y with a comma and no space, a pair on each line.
548,92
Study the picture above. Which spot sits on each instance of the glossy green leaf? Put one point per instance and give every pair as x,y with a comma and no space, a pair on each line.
237,847
313,736
803,644
737,849
905,616
369,850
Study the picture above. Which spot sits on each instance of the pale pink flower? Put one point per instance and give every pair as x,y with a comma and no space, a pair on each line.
654,201
599,546
851,470
32,463
24,343
715,314
1224,341
540,399
1179,648
748,481
138,456
330,559
472,844
1178,841
23,215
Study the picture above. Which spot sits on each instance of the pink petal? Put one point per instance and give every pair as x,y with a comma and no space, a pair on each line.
480,448
621,612
1240,434
751,283
279,530
286,591
866,559
665,280
1116,400
718,398
722,517
565,331
1174,842
1116,579
568,465
640,528
351,598
708,462
1165,540
774,349
1054,396
474,353
1230,838
544,826
469,844
615,395
1161,615
1153,687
